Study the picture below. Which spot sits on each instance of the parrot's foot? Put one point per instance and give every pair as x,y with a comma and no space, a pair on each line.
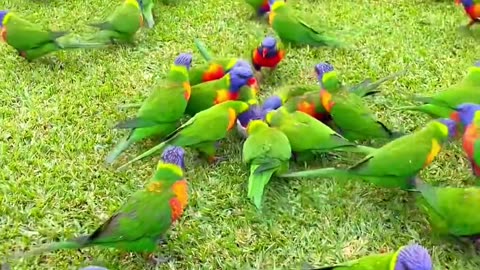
162,240
157,260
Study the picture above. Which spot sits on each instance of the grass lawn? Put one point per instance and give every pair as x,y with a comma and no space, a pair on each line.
57,114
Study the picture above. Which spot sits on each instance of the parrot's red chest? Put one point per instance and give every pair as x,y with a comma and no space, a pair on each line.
265,7
310,109
469,138
271,62
3,33
473,11
179,202
214,72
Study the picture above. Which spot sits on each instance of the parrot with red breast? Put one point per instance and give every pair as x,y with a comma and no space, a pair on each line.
472,9
268,54
469,115
143,219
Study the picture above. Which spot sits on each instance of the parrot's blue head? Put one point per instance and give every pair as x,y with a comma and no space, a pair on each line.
255,112
451,126
413,257
239,77
465,3
174,155
3,14
268,48
270,2
252,82
184,59
242,63
272,103
321,69
466,112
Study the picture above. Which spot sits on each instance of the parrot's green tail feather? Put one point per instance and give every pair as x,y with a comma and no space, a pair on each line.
317,173
76,243
77,44
423,99
393,76
203,50
119,149
257,182
152,150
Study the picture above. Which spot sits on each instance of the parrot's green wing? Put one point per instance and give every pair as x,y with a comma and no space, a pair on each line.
398,158
171,95
126,19
371,262
269,143
476,152
137,224
24,35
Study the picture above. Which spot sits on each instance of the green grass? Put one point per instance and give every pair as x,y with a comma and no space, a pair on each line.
57,114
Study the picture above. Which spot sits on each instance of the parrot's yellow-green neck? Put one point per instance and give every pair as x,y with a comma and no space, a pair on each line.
174,168
277,5
6,18
232,63
269,116
180,69
329,75
393,261
473,69
476,117
443,128
255,125
132,2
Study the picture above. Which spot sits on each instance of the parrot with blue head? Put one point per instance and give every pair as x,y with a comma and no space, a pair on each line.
397,163
411,257
229,87
268,54
472,9
160,113
255,112
469,116
145,217
442,104
121,25
32,41
351,116
261,7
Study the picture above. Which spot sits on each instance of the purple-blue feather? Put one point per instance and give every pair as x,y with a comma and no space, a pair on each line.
466,112
414,257
255,112
321,69
3,13
184,59
450,124
272,103
174,155
269,42
239,76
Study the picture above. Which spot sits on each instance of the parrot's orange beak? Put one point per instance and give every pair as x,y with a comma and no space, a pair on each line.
458,2
252,82
264,52
455,117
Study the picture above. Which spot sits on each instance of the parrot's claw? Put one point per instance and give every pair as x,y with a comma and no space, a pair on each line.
161,241
157,260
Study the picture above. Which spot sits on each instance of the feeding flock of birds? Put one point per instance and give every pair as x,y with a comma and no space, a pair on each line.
298,122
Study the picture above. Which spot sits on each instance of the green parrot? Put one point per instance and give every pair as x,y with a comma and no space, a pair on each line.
144,218
411,257
451,211
147,7
121,25
352,118
160,113
294,31
440,105
308,135
207,94
202,131
31,41
362,89
397,163
267,151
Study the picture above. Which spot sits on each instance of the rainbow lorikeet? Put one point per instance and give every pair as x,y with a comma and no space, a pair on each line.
451,210
202,131
411,257
397,163
121,25
268,54
469,115
442,104
363,89
144,218
353,119
267,151
31,41
294,31
216,67
472,9
309,136
255,112
260,6
207,94
160,113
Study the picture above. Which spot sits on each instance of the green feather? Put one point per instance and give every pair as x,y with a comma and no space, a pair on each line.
203,50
